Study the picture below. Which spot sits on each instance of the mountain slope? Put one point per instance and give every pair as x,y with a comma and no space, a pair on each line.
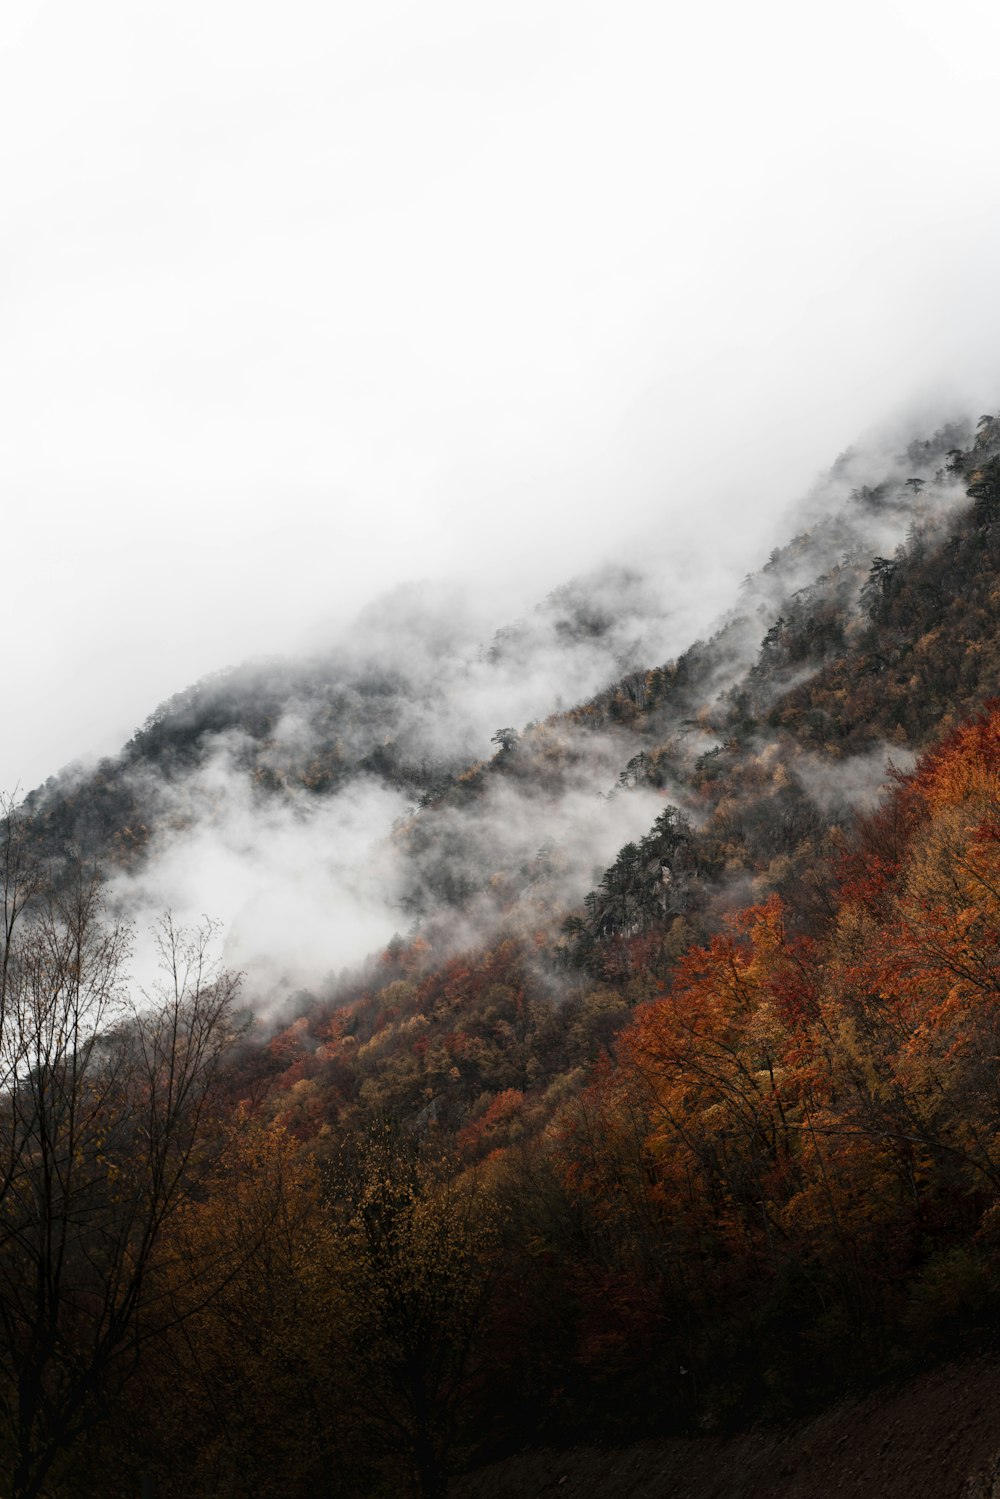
675,1108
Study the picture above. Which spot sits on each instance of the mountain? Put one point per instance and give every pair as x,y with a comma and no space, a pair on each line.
619,1069
306,774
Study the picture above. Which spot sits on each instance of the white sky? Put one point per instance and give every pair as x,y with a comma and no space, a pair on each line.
300,299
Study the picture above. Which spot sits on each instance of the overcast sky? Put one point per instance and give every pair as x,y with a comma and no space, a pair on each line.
298,300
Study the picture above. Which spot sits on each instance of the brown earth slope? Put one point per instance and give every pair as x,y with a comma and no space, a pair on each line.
937,1437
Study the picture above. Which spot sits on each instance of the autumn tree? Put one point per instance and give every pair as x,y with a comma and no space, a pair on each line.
414,1252
242,1390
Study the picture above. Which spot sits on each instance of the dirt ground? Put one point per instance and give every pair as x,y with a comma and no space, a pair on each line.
937,1437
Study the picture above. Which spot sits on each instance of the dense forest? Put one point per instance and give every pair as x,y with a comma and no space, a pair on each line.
671,1106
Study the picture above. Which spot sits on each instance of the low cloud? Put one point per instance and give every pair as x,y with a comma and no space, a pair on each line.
299,883
857,783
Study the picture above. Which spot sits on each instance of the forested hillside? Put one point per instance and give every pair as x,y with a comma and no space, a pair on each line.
672,1103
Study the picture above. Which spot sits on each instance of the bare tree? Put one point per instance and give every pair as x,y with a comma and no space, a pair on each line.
105,1129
